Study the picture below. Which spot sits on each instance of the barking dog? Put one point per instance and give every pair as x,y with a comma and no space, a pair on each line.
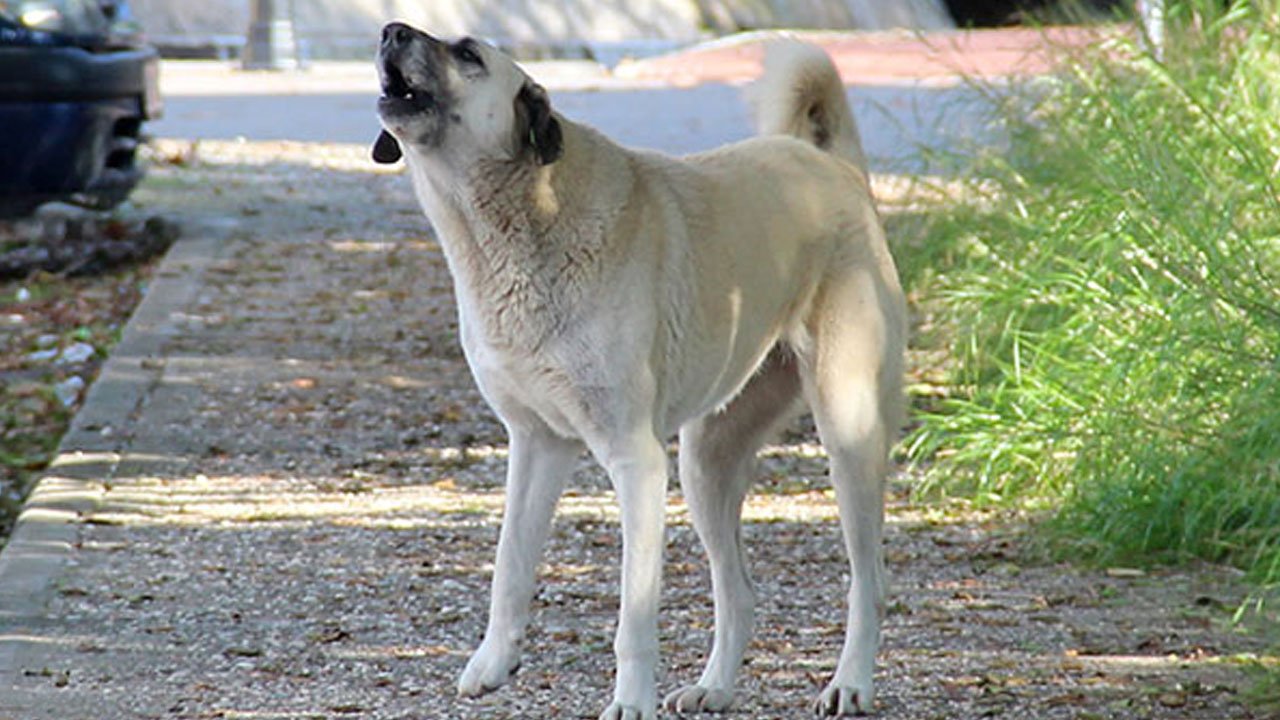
609,298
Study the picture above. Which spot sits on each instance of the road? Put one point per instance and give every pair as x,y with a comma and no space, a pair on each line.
334,102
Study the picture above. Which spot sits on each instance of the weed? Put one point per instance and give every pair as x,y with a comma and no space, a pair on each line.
1108,295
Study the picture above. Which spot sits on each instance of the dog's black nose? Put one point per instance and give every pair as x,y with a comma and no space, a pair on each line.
396,33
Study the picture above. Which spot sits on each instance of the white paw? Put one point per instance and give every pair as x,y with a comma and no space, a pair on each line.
618,711
487,671
696,699
844,701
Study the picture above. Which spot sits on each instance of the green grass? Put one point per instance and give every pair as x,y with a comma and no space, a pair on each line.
1107,300
1264,694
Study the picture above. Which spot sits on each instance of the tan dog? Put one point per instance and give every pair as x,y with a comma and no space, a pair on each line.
610,297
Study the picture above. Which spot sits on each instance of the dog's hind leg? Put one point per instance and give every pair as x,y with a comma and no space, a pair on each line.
717,454
539,464
852,380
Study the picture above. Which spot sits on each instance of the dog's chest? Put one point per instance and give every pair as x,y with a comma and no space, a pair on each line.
523,288
527,384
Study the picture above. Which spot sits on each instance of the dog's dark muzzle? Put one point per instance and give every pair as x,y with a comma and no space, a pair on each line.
409,63
398,34
407,59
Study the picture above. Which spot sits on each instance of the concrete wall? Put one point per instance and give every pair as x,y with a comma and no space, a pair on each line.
548,22
733,15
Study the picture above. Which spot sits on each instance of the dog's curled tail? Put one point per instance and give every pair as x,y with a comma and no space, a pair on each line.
800,94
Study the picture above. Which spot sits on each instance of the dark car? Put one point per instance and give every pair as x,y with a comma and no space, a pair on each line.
76,84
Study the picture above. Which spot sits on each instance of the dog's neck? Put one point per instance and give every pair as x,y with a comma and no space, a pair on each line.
498,223
516,201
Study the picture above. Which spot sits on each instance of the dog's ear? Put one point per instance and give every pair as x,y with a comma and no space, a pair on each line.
540,130
385,149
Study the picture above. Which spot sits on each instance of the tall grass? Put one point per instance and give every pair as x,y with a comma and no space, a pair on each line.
1109,297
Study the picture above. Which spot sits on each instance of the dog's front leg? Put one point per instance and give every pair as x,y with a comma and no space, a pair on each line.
536,471
638,471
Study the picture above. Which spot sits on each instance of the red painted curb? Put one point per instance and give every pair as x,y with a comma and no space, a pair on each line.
881,57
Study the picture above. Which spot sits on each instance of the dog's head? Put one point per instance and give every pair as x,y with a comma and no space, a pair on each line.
463,96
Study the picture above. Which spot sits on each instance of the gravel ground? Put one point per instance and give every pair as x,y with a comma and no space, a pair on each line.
304,523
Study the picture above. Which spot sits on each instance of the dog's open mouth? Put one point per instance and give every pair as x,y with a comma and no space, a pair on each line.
398,95
394,85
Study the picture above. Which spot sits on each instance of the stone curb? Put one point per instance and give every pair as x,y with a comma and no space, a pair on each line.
98,441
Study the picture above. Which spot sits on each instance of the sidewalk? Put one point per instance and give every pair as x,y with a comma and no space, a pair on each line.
281,499
880,58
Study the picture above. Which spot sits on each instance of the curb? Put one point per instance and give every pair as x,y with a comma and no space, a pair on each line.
47,531
877,57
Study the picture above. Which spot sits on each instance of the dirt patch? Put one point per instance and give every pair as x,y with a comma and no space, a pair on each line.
77,244
69,280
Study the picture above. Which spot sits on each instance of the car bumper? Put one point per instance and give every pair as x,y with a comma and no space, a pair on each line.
72,121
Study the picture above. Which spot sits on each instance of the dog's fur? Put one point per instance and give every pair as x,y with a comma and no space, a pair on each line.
609,297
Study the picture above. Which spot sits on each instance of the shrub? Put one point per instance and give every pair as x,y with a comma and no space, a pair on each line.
1109,296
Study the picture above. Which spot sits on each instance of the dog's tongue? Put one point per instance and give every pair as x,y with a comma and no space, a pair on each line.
386,149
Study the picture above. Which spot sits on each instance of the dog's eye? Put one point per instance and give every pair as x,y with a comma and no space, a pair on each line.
467,54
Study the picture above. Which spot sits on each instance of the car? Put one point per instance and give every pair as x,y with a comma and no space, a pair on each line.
77,82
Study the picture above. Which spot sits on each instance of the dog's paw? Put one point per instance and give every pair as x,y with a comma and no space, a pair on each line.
699,699
843,701
618,711
487,671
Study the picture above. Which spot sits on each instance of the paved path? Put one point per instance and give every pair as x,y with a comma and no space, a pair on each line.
280,497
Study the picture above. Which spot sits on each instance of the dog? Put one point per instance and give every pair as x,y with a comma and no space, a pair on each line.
610,298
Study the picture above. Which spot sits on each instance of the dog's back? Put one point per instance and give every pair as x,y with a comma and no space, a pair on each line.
800,94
